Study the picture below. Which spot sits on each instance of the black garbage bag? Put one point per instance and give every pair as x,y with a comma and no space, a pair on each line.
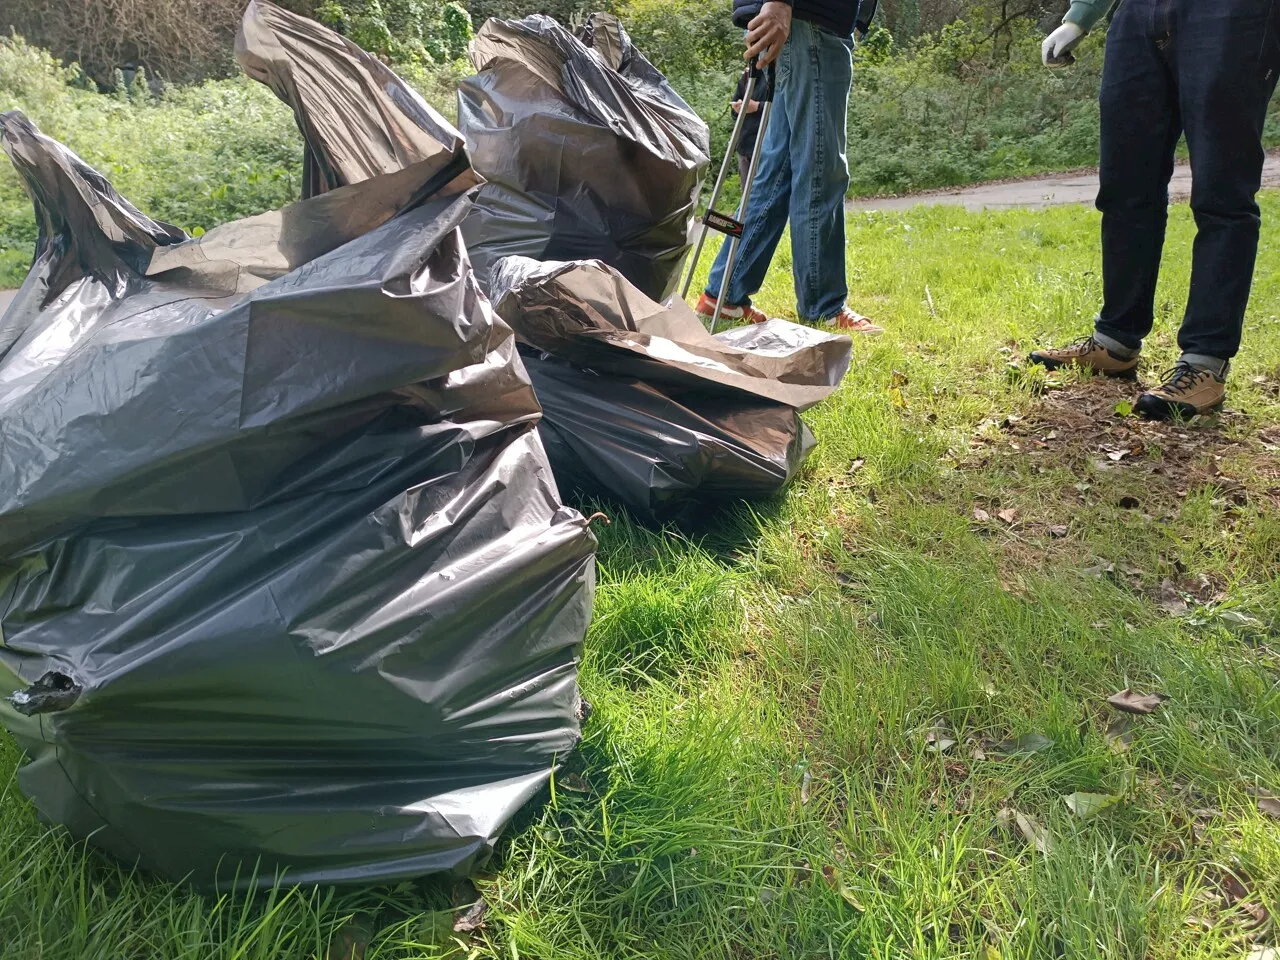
357,117
285,581
588,152
642,405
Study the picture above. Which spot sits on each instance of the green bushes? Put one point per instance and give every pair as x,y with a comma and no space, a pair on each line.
419,32
950,110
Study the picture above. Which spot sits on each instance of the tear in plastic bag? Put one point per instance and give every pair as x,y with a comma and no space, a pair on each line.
588,152
285,582
642,405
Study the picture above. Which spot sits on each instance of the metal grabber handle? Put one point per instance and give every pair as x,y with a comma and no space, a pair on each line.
733,227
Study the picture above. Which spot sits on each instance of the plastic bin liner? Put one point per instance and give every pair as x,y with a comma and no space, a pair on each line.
359,119
642,405
285,582
588,152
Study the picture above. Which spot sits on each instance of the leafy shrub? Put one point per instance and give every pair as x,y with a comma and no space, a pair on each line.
418,32
196,157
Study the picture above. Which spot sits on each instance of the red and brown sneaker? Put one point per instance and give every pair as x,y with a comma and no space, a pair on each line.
706,309
846,321
1088,354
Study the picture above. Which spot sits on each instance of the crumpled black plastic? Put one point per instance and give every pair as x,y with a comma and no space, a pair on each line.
588,151
286,585
642,406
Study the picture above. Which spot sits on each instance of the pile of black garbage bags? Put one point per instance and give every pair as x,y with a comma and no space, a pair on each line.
287,587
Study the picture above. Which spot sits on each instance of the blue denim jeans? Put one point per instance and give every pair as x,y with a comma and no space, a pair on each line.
1206,68
803,176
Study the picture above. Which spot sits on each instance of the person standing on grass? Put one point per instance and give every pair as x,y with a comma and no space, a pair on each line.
1206,68
803,173
750,126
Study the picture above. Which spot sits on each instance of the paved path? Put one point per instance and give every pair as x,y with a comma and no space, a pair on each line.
1040,192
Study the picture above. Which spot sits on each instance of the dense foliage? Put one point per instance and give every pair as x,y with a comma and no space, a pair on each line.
964,103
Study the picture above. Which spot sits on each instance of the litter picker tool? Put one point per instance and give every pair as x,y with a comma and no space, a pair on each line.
732,226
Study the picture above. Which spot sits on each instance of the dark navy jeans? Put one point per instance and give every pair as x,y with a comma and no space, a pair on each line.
1206,68
803,176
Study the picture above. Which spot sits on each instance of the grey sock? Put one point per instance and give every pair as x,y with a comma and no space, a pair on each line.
1202,361
1116,347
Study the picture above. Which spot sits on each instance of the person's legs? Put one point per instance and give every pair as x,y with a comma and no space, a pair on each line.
1141,124
819,169
1227,55
766,215
744,168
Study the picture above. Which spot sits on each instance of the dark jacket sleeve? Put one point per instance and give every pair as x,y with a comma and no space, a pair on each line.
744,11
866,13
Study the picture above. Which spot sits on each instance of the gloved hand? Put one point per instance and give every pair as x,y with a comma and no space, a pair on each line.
1057,47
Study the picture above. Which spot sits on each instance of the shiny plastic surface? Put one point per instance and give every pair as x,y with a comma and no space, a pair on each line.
588,152
642,405
285,581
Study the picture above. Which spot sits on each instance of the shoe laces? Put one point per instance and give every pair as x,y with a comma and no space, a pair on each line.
1084,344
1181,377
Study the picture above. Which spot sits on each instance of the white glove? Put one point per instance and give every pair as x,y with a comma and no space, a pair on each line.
1057,47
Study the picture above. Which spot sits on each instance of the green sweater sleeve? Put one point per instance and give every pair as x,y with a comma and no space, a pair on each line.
1085,13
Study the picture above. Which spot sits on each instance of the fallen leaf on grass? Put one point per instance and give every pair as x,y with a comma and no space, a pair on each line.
1086,805
1129,702
1034,832
473,919
1116,456
805,782
1171,601
1009,516
1058,531
1269,806
857,465
940,738
1120,733
981,515
1235,620
1124,408
1100,570
573,783
1027,743
1130,503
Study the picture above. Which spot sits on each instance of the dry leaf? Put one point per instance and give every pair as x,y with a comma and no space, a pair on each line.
857,465
573,783
1035,832
1027,743
1129,702
1101,570
1058,531
805,782
1117,455
473,919
1171,601
1009,516
1130,503
939,738
981,515
1086,805
1233,888
1269,806
1120,733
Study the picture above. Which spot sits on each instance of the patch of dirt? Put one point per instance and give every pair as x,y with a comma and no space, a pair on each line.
1079,426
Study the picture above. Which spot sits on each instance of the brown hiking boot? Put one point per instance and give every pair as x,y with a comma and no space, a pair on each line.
1088,354
1186,392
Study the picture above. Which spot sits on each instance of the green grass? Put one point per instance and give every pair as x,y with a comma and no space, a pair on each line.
756,780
